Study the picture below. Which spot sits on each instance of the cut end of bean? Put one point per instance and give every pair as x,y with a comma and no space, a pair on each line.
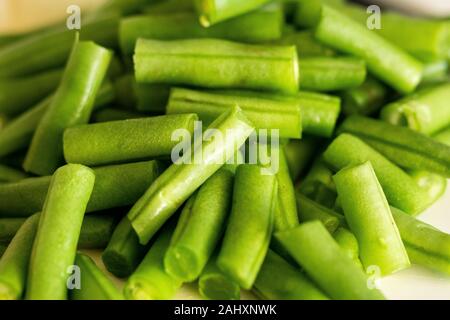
181,263
218,287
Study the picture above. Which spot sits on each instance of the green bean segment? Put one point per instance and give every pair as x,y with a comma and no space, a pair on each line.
315,250
213,284
199,228
54,252
213,63
278,280
182,178
369,218
250,225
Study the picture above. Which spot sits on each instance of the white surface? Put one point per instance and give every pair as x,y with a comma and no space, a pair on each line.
431,8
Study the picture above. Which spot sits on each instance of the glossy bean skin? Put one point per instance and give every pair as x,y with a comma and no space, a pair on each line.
213,63
72,105
54,252
250,225
369,217
348,243
315,250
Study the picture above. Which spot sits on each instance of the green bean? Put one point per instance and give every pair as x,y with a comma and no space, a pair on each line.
216,63
318,184
263,112
250,225
278,280
124,7
309,210
366,99
123,253
112,114
306,45
169,6
150,281
368,215
199,228
299,154
213,284
141,96
51,48
443,136
54,252
94,284
402,146
72,105
181,179
8,228
424,111
331,73
435,71
14,262
213,11
315,250
285,214
23,198
425,244
18,133
258,26
17,95
8,174
400,189
348,243
342,33
124,140
307,13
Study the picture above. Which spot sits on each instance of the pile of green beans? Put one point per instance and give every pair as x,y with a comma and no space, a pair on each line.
277,148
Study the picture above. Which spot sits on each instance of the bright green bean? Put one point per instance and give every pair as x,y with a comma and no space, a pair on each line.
402,146
216,63
8,174
123,253
181,179
331,73
169,6
111,114
326,263
17,95
435,71
348,243
366,99
54,252
400,189
258,26
278,280
425,111
369,217
342,33
124,140
18,133
51,48
425,244
213,11
14,262
215,285
25,197
199,228
150,281
94,284
309,210
250,225
443,136
433,185
262,111
141,96
72,105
